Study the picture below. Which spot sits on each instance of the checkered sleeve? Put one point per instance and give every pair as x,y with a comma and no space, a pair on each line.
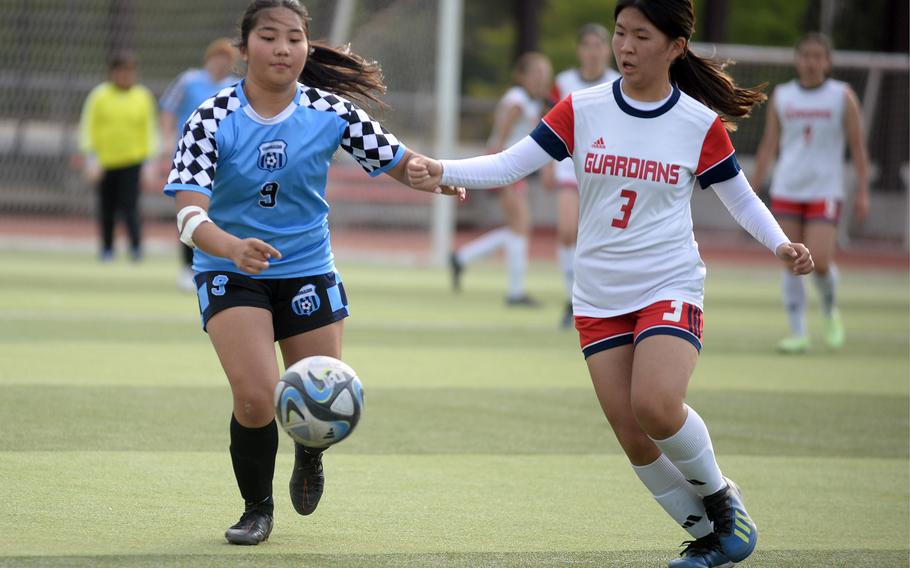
196,158
376,149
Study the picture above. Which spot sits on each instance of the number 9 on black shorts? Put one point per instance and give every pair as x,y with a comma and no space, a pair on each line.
298,305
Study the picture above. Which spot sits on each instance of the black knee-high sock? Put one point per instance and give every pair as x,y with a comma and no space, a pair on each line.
253,455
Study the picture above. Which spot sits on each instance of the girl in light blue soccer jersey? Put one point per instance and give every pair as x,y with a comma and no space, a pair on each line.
249,178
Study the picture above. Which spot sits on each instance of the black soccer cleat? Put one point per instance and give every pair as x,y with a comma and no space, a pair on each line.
455,268
703,552
254,526
307,479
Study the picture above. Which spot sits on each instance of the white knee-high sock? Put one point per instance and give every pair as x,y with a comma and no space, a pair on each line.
671,490
795,302
827,289
483,245
566,255
517,262
692,453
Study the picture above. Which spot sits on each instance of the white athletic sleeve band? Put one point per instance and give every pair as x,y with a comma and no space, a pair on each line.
749,211
183,213
188,227
496,170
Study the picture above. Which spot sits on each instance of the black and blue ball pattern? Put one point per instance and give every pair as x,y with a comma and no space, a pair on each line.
319,401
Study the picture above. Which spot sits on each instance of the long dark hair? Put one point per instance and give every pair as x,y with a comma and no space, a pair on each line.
338,70
702,79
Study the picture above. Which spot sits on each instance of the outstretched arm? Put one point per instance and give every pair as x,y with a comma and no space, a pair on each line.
400,173
482,172
752,215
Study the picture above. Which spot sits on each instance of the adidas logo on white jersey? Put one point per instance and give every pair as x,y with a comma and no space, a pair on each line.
599,143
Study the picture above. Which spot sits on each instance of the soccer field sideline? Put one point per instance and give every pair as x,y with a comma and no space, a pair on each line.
482,444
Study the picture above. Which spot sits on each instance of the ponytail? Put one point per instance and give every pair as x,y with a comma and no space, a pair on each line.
342,71
706,81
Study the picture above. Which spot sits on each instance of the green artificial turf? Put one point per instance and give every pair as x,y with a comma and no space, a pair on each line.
481,442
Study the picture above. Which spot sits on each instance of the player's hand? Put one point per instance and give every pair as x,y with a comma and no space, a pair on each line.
458,192
252,255
797,258
861,205
425,174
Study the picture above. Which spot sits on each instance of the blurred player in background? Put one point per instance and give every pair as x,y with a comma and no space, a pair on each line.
517,112
807,121
249,179
118,132
593,50
639,145
179,101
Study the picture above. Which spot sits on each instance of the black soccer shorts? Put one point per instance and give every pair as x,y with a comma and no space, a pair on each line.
298,305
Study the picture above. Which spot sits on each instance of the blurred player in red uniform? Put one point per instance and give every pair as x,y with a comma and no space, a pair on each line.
807,121
517,113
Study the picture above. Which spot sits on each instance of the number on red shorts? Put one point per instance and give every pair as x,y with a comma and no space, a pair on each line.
676,314
626,209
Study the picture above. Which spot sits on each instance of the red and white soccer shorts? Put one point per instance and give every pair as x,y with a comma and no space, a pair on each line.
827,210
667,317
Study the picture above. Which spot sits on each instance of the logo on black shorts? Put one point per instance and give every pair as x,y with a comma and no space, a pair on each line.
306,301
272,156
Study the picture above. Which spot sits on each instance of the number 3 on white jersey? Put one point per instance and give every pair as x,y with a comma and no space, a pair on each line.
676,314
626,209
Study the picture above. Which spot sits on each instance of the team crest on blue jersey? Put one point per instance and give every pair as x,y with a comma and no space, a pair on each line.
272,156
306,301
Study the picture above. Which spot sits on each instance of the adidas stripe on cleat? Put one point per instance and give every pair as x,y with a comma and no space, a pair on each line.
704,552
735,530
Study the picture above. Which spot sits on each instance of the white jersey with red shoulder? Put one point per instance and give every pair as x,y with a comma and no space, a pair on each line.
568,82
636,171
810,165
531,110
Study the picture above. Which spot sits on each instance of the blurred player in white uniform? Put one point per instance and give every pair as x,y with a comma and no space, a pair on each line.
517,113
640,145
807,121
593,50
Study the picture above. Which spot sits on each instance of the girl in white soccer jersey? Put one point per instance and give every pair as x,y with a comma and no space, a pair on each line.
249,178
593,50
517,113
640,145
808,119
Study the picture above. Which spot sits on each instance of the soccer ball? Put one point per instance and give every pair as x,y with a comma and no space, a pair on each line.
319,401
